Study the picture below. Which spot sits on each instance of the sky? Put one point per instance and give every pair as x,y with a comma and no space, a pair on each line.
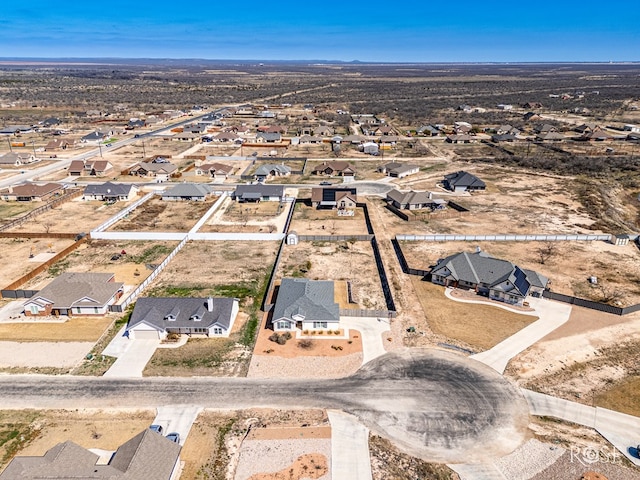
373,31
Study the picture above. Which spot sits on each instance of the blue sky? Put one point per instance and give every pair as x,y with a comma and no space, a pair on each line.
427,31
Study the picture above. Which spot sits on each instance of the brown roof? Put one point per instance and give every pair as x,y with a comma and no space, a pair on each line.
35,190
337,165
216,167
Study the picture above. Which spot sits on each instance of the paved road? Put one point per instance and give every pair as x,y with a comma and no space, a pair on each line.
433,404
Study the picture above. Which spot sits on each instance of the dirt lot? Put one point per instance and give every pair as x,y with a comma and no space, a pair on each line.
74,216
263,217
307,220
351,261
20,249
30,432
95,256
204,264
569,264
75,329
160,216
11,210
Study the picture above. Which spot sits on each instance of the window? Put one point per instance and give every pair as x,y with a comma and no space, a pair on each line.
217,331
95,310
78,310
283,325
319,324
34,309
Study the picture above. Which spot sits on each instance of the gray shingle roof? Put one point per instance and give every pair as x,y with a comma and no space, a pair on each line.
312,299
188,190
109,189
268,168
243,191
463,179
79,289
155,312
414,198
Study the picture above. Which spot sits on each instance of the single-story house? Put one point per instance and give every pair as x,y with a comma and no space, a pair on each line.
498,279
32,192
96,137
215,170
531,117
50,122
17,159
58,144
504,129
544,128
76,293
96,168
15,129
268,137
147,455
157,317
323,131
398,170
269,170
552,136
196,192
415,200
110,192
259,193
306,305
342,198
227,137
135,123
355,140
503,137
462,181
460,138
162,171
370,148
428,131
337,167
308,139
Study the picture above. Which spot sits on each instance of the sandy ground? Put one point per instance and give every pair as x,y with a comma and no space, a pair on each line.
43,354
309,221
265,217
20,249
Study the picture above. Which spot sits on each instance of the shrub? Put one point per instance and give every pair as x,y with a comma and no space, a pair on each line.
305,343
329,332
274,337
281,340
287,335
305,332
336,332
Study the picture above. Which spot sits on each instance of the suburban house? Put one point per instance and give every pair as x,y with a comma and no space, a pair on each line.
498,279
306,305
76,293
58,144
339,168
135,123
162,171
309,139
415,200
398,170
227,137
462,181
195,192
503,137
460,138
17,159
550,137
110,192
504,129
428,131
215,170
531,117
95,168
96,137
147,455
154,318
50,122
268,137
323,131
370,148
269,170
259,193
32,192
343,198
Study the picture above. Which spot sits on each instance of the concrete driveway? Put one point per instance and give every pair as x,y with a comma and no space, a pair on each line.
177,418
349,447
133,359
551,316
371,331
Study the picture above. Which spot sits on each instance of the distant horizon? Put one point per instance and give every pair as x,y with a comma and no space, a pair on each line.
375,32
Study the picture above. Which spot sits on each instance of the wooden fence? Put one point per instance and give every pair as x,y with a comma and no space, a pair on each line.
48,206
71,236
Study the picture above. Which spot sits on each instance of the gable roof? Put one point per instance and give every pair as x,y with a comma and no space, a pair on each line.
463,179
188,190
311,299
72,289
34,190
109,189
414,198
332,194
336,165
399,168
270,167
249,191
216,168
147,455
154,311
155,167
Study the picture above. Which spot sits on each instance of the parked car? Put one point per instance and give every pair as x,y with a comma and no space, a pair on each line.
174,437
325,183
156,428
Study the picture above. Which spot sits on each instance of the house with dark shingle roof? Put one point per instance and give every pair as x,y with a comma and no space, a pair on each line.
195,192
110,192
306,305
259,193
162,171
74,293
154,318
17,159
336,167
269,170
462,181
498,279
415,200
94,168
148,455
342,198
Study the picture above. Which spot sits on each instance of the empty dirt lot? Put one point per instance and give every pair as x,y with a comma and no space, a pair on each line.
307,220
569,264
157,215
19,250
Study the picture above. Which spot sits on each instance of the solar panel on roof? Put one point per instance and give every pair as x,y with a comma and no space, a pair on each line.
521,281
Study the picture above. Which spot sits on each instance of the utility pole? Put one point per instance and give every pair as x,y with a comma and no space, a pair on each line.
144,153
10,147
100,148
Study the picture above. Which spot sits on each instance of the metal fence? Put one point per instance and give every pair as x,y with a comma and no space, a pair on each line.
335,238
18,293
582,302
504,238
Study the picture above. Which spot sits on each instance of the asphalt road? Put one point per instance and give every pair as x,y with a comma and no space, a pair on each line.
432,404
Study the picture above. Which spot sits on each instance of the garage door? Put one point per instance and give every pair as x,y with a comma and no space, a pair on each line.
145,335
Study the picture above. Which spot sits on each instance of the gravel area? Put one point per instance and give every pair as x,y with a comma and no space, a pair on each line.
528,460
264,366
571,466
43,354
271,456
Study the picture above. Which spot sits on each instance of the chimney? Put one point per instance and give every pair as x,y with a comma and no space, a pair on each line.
210,304
430,195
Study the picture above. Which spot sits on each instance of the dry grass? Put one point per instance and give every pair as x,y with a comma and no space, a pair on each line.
76,329
480,326
162,216
623,397
310,221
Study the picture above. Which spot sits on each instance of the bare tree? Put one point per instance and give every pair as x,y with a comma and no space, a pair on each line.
546,252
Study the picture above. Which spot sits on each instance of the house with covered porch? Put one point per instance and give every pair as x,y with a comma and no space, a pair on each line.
304,304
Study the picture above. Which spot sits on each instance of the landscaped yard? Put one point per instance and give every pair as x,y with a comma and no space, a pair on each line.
479,326
76,329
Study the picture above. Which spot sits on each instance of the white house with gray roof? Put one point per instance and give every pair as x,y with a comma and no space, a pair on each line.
415,200
154,318
110,192
148,455
264,172
259,193
194,192
74,293
498,279
306,305
398,170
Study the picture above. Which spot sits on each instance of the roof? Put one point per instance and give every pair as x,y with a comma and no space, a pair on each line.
413,198
215,167
399,168
156,312
73,289
35,190
463,179
311,299
109,189
94,136
262,190
269,136
331,194
188,190
337,165
268,168
147,455
165,167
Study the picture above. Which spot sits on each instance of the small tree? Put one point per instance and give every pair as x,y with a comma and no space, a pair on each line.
546,252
